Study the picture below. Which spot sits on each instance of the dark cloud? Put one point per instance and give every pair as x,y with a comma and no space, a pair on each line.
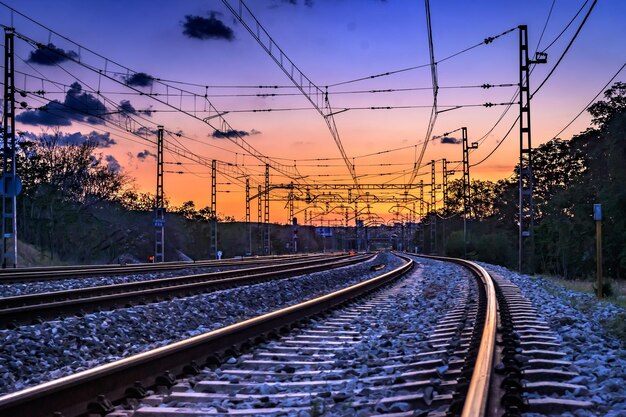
308,3
139,79
112,163
52,114
77,106
218,134
279,3
100,140
143,155
50,55
255,132
86,104
144,131
449,140
198,27
127,108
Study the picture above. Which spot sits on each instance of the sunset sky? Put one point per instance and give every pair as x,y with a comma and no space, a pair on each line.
195,48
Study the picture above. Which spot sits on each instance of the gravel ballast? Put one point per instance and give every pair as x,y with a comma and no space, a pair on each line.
34,287
593,336
378,343
37,353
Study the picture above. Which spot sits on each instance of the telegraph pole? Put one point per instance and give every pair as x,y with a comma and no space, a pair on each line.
11,185
525,215
444,190
433,206
159,209
466,185
294,221
444,164
423,232
248,223
266,215
259,218
213,250
356,224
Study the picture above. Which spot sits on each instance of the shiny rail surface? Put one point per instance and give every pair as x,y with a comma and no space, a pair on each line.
24,309
478,390
71,396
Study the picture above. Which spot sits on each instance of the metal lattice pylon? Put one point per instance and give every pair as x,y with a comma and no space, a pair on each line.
213,249
159,209
267,249
525,214
433,208
9,177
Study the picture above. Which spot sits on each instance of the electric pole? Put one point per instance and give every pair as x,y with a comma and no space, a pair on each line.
525,215
213,249
267,250
159,209
259,219
466,185
248,223
433,208
11,185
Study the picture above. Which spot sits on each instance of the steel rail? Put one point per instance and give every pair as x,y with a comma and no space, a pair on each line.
70,396
64,272
26,308
478,391
85,292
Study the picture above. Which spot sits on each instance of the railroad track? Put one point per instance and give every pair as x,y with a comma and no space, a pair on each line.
353,352
37,307
8,276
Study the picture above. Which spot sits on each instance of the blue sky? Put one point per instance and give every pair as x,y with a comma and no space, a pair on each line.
332,41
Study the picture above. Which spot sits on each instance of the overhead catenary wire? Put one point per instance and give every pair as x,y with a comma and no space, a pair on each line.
506,110
591,101
569,45
545,25
566,26
347,92
486,41
377,91
498,145
240,141
435,84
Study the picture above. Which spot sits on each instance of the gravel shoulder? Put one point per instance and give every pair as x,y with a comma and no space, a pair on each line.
593,335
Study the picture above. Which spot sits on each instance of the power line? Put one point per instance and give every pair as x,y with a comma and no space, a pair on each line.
379,91
498,145
343,109
566,26
566,49
486,41
591,101
308,88
224,126
545,25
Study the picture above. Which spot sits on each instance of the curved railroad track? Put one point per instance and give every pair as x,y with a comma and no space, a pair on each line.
40,306
354,352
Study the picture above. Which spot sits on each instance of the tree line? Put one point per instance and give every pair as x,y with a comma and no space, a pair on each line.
569,177
77,205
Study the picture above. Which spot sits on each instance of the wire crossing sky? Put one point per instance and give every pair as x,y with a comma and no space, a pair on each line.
114,71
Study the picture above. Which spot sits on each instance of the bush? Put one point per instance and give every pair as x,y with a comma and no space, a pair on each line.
454,245
495,248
